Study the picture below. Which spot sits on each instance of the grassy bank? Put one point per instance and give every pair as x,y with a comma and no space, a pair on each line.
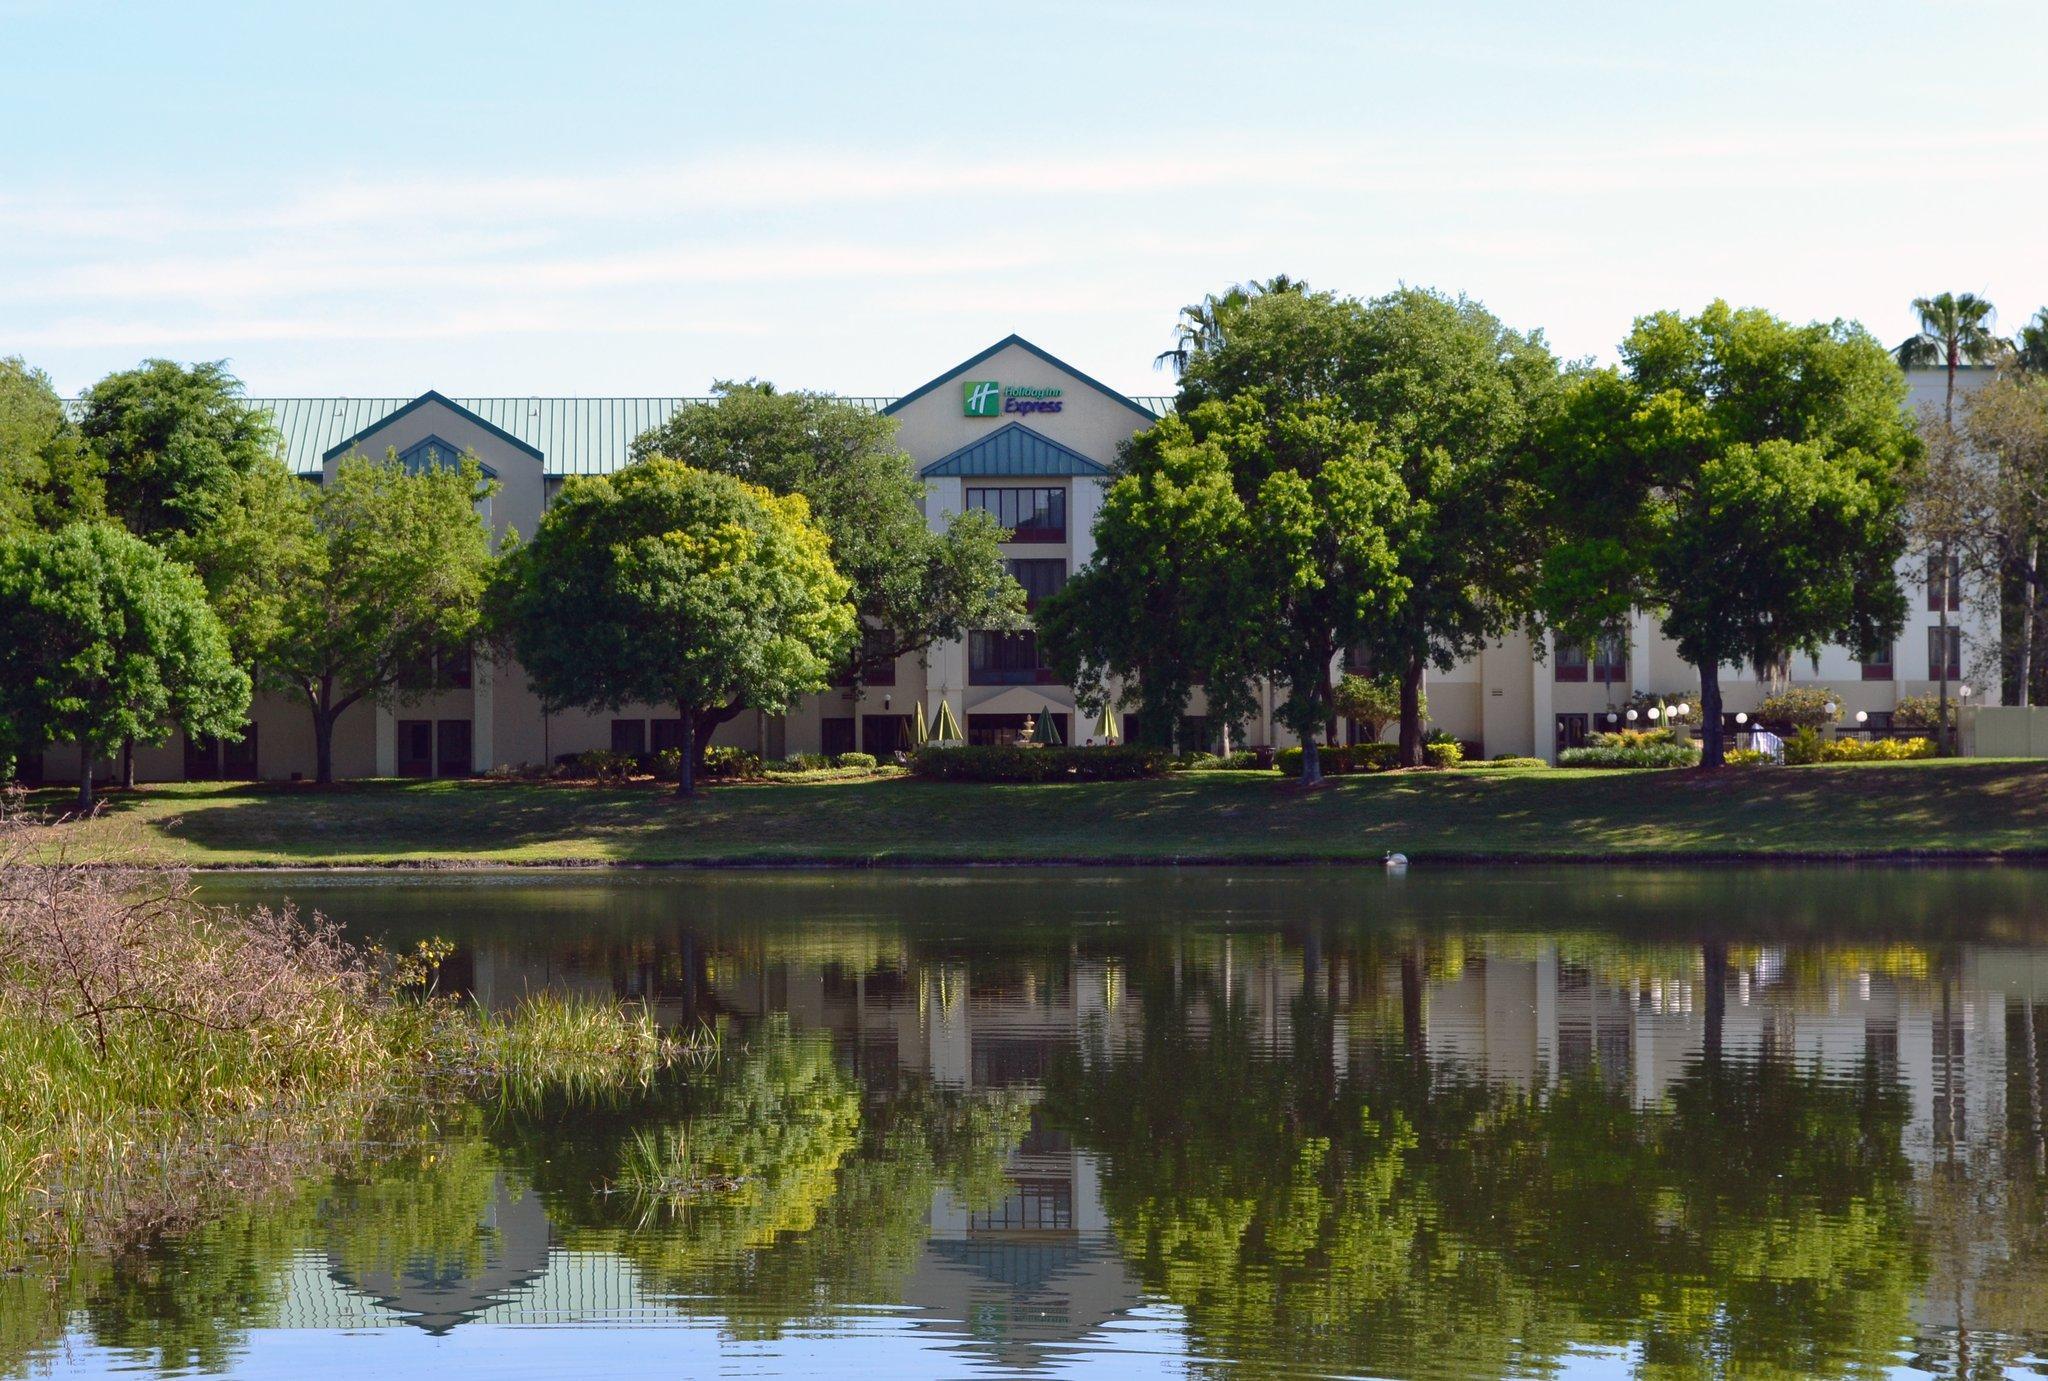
1954,808
163,1056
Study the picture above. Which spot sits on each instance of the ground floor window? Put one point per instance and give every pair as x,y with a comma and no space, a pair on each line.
995,730
454,756
667,734
209,759
1571,731
1954,637
835,735
629,736
883,734
434,748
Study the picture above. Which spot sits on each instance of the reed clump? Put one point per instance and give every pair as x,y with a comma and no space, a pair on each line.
160,1053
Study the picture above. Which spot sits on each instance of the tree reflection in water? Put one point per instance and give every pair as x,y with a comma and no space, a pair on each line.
1795,1143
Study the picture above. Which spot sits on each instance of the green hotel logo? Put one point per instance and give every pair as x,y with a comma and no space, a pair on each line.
981,398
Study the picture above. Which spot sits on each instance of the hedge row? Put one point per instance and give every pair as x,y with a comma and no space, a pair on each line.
1353,757
1014,764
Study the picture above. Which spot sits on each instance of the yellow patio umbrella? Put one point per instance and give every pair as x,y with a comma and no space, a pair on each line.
945,728
1048,731
920,732
1106,727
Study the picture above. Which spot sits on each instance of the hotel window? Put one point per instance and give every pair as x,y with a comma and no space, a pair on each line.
629,736
1004,659
835,735
1881,669
1031,515
1358,660
1570,662
1952,587
880,669
666,734
1610,659
1041,576
1955,653
433,453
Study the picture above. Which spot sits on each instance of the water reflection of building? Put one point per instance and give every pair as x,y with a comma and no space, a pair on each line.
1038,1268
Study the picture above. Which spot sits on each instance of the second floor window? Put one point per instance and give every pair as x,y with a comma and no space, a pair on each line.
1950,589
1031,515
1004,659
1041,576
1881,669
1606,662
880,669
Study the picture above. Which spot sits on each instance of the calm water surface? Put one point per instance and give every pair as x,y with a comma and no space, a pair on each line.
1670,1124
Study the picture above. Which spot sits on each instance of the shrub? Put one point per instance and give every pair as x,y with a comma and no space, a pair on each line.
727,763
605,765
866,760
1746,757
1804,747
1443,754
1921,712
804,762
1242,760
1631,748
1017,764
1878,750
1344,760
1801,707
1505,760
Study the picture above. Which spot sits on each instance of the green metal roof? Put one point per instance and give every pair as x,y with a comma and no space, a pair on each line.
575,436
1013,451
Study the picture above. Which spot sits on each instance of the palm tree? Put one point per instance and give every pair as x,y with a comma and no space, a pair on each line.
1200,328
2030,346
1954,330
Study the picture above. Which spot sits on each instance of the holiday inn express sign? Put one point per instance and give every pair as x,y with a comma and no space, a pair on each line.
988,398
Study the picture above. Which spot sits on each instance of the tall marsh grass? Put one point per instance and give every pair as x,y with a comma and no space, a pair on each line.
159,1052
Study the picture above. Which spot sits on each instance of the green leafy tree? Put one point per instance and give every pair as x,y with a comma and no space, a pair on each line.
1372,702
107,642
47,475
175,440
1457,400
1745,478
373,575
673,585
912,586
1201,325
175,443
1141,623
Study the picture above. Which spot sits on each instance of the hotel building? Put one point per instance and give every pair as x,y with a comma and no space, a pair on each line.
1029,438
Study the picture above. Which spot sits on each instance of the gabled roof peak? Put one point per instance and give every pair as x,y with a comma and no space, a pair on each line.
1047,356
432,396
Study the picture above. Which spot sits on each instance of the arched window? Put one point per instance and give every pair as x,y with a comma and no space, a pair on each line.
431,452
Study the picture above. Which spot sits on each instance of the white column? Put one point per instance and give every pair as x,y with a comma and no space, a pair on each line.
1084,501
1542,679
946,663
387,742
481,748
1639,651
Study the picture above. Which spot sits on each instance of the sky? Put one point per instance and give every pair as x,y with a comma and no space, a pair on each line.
605,198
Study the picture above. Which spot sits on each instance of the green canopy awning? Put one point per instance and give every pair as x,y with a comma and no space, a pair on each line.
1106,727
1048,731
945,728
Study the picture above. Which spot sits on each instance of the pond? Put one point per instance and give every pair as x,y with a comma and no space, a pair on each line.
1304,1122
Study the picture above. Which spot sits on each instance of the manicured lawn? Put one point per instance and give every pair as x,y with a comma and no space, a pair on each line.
1862,810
